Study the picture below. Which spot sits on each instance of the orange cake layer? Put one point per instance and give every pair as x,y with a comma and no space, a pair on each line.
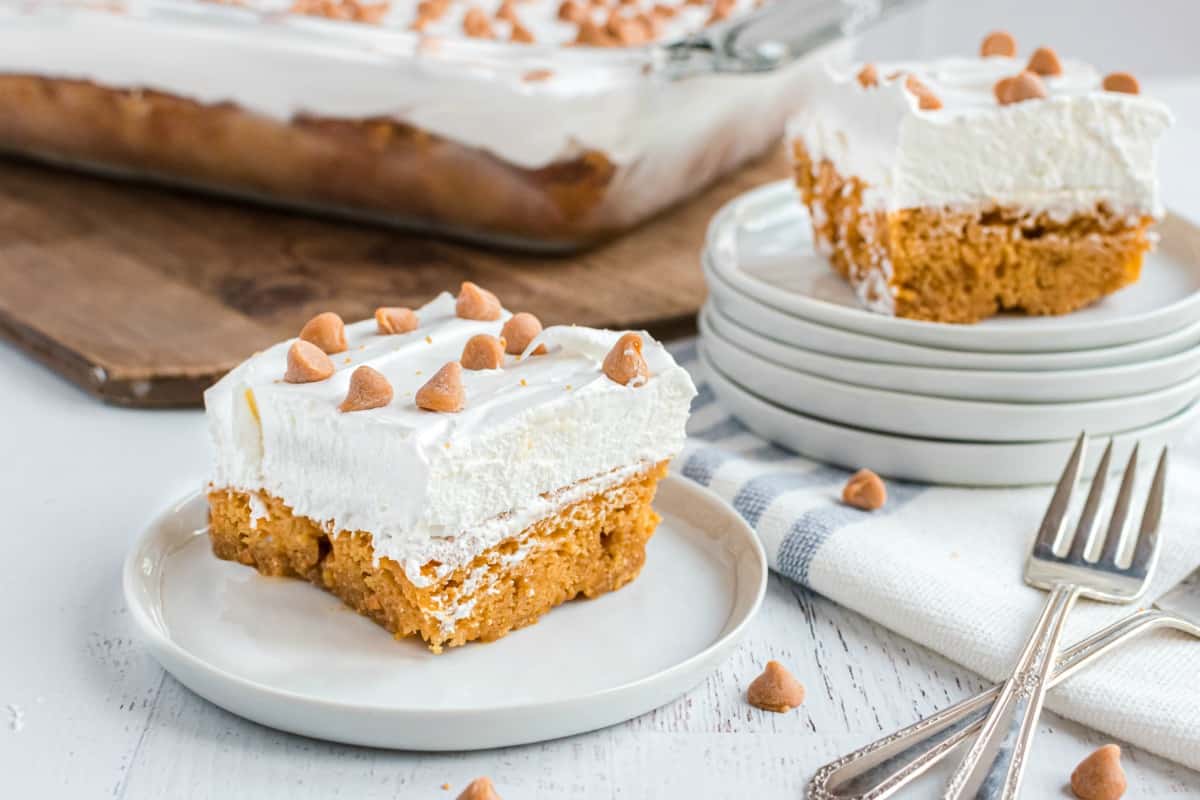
588,548
963,266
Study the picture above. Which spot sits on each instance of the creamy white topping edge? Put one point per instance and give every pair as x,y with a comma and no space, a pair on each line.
444,486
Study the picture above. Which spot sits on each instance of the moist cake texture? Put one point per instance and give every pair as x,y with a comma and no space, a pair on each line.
532,485
957,189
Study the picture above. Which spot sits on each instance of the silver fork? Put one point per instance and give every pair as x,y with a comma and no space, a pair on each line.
993,766
883,767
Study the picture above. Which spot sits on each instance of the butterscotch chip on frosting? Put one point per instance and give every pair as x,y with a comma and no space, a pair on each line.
507,11
326,331
368,389
998,43
519,331
477,25
865,490
1026,86
483,351
1121,82
1099,776
926,99
592,34
775,689
479,789
868,76
571,11
1044,61
1003,89
307,363
444,391
521,34
625,363
392,320
476,303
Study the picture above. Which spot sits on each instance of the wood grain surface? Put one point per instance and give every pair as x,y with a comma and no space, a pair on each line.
144,296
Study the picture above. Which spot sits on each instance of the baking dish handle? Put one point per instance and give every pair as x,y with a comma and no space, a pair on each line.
774,36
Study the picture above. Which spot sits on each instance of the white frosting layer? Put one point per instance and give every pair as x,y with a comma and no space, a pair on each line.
1078,147
472,92
444,486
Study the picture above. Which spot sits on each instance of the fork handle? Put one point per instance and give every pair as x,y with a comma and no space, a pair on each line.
883,767
993,766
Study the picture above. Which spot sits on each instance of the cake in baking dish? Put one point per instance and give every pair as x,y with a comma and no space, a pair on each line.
957,189
452,471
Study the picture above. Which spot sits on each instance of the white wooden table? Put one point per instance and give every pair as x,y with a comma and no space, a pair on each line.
86,713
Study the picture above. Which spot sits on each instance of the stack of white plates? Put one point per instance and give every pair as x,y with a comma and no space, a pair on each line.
789,350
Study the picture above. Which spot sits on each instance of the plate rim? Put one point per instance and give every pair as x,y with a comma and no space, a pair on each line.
155,638
956,336
719,287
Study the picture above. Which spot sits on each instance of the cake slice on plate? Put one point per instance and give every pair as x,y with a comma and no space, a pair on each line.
452,471
956,189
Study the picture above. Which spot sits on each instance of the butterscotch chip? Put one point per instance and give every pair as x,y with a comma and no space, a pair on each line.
1121,82
394,319
432,9
571,11
926,99
1044,61
537,75
1099,776
483,351
1025,86
592,34
865,490
476,303
477,25
775,689
868,76
664,11
368,389
507,11
1003,89
625,30
998,43
521,34
625,363
307,363
326,331
444,391
479,789
419,24
721,11
519,331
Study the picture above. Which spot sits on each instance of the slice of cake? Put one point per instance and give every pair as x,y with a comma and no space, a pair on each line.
452,471
957,189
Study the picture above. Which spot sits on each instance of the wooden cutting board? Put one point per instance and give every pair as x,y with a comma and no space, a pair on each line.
144,296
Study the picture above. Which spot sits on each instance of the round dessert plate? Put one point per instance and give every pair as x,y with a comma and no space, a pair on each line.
761,243
1100,383
762,319
940,417
931,460
287,655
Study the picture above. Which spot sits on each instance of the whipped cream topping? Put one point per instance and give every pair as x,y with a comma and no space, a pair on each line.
1079,147
533,435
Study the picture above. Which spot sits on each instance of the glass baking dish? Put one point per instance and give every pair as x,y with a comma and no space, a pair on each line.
532,146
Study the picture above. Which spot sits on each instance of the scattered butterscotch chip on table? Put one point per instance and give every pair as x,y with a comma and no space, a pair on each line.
865,490
1099,776
327,331
775,689
479,789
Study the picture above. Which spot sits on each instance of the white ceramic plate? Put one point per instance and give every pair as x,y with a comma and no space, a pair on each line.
767,321
939,417
288,655
761,243
997,386
931,460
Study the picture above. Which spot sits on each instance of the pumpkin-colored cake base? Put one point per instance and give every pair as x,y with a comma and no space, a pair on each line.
951,265
588,548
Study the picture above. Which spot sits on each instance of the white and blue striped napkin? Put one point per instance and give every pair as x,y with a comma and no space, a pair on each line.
943,567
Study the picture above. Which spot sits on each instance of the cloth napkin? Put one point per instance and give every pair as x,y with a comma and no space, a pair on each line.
943,566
